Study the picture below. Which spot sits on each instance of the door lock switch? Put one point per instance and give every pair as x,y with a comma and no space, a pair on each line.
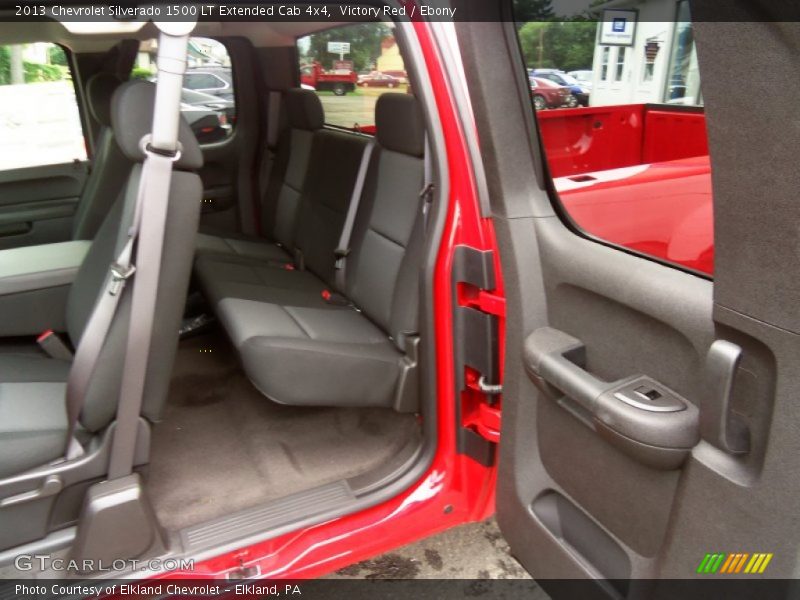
644,395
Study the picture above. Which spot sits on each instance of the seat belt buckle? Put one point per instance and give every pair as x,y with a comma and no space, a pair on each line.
54,346
299,261
335,298
119,275
341,255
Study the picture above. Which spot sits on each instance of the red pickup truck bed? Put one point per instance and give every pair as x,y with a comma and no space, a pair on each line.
636,175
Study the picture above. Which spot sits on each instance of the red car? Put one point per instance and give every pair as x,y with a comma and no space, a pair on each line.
469,313
378,79
547,94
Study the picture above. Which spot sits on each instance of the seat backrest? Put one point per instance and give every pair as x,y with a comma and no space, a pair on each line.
383,266
290,164
110,167
330,180
132,117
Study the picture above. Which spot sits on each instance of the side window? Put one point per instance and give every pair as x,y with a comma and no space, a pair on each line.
208,101
629,162
40,122
350,67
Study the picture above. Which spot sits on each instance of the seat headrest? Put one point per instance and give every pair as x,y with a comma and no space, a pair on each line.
399,123
99,90
304,109
132,119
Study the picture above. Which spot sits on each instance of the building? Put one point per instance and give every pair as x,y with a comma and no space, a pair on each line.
645,53
390,60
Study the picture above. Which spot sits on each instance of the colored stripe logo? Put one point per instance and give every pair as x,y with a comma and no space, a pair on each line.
734,563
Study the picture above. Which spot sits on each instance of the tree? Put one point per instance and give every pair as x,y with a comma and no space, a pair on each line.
565,45
56,56
533,10
365,44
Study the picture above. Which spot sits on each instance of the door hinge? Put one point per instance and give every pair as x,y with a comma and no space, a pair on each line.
477,312
491,303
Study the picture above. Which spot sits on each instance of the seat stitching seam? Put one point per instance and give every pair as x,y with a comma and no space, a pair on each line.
386,237
337,352
296,321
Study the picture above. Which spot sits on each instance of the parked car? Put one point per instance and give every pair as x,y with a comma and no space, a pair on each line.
547,94
214,80
399,74
378,79
580,91
584,77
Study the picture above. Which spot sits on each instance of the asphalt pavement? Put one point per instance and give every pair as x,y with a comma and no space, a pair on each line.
472,551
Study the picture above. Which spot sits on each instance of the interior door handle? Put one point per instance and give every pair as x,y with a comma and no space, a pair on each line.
719,425
11,229
637,414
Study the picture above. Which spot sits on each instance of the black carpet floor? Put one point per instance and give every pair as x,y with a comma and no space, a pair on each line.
222,446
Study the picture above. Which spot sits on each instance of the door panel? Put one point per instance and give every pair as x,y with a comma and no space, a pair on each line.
632,319
575,498
37,204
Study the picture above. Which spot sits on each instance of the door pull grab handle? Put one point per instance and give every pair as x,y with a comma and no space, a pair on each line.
637,414
719,425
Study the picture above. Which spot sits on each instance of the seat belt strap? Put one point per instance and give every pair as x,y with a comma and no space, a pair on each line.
156,179
273,118
427,188
343,248
157,175
95,333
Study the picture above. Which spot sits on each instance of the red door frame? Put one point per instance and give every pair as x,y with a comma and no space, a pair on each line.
455,489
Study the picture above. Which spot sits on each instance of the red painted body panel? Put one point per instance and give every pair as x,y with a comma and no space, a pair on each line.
663,209
580,140
455,489
673,134
317,75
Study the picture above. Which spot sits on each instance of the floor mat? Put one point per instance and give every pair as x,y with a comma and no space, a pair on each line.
222,446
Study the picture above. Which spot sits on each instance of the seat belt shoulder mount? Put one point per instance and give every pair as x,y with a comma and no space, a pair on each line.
119,275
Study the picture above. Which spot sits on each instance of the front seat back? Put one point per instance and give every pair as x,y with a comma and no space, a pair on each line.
132,118
110,167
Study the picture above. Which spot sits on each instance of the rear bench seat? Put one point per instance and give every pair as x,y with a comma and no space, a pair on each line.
333,167
284,186
296,347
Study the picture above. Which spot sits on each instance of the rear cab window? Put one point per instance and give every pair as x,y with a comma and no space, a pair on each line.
40,122
350,67
619,107
208,99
